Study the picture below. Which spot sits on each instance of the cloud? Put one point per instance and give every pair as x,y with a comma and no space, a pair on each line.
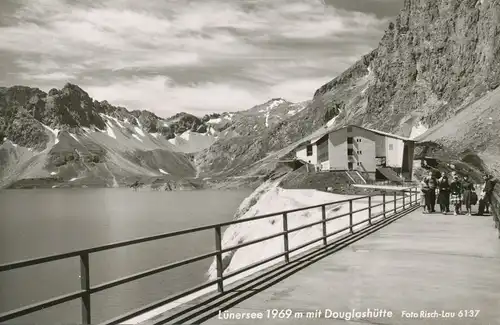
163,94
184,55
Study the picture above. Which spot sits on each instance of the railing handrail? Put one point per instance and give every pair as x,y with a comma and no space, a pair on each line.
140,240
86,289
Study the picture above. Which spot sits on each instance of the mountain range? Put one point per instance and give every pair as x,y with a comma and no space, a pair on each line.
64,138
434,76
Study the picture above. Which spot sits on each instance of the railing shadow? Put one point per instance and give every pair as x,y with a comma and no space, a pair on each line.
205,308
409,201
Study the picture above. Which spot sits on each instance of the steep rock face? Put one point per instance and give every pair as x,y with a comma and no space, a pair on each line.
438,57
436,60
71,107
181,123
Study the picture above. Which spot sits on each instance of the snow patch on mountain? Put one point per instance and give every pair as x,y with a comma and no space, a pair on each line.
418,130
138,122
139,131
275,104
214,121
331,122
267,118
55,132
74,136
137,137
109,130
191,142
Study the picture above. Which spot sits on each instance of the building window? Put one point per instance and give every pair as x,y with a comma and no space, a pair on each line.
349,165
390,146
322,150
358,140
359,164
309,150
359,152
350,152
349,140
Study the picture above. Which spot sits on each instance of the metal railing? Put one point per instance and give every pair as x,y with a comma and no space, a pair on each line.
408,197
393,183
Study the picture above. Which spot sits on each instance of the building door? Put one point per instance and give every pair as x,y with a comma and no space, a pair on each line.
350,165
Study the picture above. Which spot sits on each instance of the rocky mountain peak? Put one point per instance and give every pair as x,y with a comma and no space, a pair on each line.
435,58
72,88
278,99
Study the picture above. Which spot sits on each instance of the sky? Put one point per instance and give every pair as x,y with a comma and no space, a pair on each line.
197,56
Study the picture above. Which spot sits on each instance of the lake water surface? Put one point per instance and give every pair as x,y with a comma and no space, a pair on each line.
35,223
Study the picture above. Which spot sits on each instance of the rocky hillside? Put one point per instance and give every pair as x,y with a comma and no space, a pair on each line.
65,138
437,68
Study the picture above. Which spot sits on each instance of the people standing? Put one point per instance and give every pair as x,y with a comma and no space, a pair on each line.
489,185
456,194
468,188
424,188
444,194
431,194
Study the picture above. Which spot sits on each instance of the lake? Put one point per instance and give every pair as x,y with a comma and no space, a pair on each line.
35,223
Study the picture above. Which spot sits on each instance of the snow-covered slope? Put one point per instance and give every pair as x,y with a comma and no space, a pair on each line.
111,157
271,198
191,142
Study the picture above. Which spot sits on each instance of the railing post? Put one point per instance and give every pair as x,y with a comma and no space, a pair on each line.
370,210
350,217
218,249
395,202
383,205
323,216
411,197
404,198
285,237
85,286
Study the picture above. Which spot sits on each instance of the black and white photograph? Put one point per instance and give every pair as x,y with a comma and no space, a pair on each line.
249,162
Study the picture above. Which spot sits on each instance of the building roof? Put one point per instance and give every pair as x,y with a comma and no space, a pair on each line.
317,138
387,134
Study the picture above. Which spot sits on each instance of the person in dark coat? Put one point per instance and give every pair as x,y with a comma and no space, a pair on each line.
456,194
489,185
444,194
468,188
431,193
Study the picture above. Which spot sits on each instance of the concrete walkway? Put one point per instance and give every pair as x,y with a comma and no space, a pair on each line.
415,266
